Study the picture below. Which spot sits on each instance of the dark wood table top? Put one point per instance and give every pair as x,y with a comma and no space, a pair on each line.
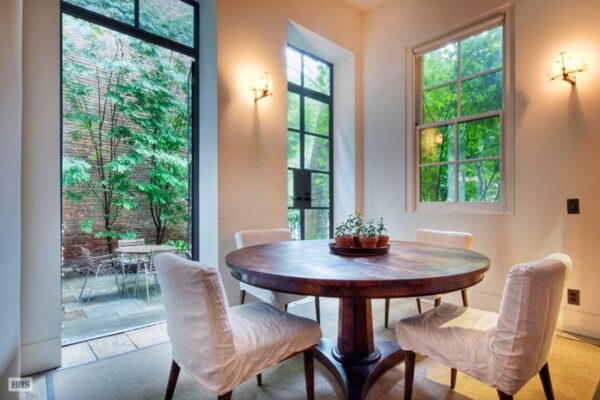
307,267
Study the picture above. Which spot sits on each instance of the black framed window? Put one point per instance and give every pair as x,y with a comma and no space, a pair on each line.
310,145
154,132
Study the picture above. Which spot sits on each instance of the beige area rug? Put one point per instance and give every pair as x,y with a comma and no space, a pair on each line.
142,374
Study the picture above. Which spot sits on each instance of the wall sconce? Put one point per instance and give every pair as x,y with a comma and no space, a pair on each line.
262,86
565,67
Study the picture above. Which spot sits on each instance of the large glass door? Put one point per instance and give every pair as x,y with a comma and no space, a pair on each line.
129,69
310,145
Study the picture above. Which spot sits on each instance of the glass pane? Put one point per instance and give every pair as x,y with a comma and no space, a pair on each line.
319,186
316,116
481,94
293,149
316,75
479,138
294,222
439,66
290,188
293,110
481,52
437,183
437,144
439,104
316,224
479,181
122,10
294,66
316,153
172,19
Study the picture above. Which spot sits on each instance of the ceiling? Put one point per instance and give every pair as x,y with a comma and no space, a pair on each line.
364,5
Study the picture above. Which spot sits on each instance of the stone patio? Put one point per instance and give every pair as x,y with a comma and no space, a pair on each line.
109,311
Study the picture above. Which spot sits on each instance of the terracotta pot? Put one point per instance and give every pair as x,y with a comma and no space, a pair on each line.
344,242
383,240
356,241
368,242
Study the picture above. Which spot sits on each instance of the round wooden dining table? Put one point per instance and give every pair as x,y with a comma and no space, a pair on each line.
307,267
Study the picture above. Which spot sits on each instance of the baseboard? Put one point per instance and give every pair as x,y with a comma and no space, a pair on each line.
578,322
40,356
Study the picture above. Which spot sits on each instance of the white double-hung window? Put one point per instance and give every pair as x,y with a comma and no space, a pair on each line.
461,122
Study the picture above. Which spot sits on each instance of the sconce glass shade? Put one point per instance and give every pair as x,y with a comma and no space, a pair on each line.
262,86
565,67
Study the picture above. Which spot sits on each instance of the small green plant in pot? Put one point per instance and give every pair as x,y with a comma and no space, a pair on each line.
355,224
368,238
343,235
382,240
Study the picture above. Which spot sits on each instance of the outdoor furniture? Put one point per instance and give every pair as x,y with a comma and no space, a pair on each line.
264,236
503,350
98,266
145,252
222,347
461,240
130,261
307,267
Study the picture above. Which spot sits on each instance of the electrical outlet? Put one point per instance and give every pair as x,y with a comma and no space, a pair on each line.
573,296
572,206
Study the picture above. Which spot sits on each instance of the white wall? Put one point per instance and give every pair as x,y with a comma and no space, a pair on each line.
556,139
10,190
252,37
41,290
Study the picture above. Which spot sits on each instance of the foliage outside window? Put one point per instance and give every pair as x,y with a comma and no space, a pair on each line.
127,123
459,121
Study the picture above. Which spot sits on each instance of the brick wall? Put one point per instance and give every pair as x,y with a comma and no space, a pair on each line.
138,221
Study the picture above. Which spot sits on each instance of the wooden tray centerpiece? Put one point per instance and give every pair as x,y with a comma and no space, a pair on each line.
356,237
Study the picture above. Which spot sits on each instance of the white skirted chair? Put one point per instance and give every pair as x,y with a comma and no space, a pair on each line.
503,350
219,346
255,237
463,240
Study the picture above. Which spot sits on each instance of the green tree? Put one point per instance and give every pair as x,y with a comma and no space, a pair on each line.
92,77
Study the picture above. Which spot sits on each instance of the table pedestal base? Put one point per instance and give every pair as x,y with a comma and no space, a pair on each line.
357,377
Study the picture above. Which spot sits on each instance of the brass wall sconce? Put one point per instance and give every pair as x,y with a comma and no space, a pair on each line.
565,67
262,86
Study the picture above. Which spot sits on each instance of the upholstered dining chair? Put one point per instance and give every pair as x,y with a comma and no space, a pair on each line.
255,237
462,240
503,350
222,347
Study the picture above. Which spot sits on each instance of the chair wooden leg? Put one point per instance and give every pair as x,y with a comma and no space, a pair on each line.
309,373
318,309
387,312
452,378
285,307
259,379
419,305
504,396
242,296
465,299
409,374
226,396
437,301
172,380
547,382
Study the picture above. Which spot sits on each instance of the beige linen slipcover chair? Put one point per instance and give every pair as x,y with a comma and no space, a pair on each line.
219,346
463,240
255,237
503,350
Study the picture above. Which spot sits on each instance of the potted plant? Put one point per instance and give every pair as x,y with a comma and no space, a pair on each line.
382,240
357,225
368,238
343,235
